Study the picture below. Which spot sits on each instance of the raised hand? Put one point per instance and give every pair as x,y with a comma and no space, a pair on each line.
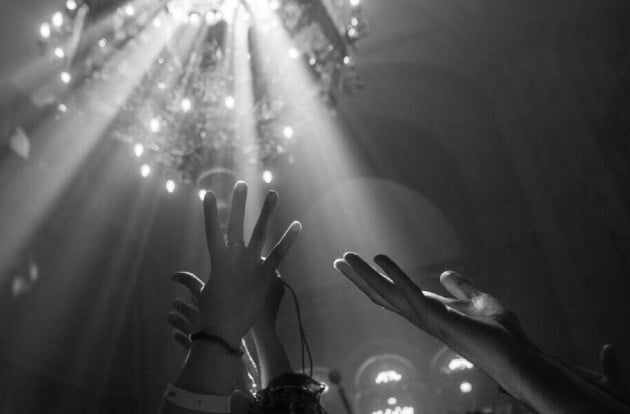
185,314
472,323
477,326
237,291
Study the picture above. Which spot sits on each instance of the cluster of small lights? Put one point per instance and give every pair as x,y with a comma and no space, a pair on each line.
459,364
54,34
385,377
395,410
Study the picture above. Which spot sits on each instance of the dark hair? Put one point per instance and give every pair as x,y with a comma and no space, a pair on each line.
290,393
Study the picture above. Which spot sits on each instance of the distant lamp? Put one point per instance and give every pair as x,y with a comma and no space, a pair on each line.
57,19
145,170
138,149
71,5
44,31
65,77
465,387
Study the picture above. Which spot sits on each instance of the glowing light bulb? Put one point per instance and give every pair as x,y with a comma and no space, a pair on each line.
161,86
346,60
102,42
213,17
170,186
138,149
230,102
194,18
145,170
465,387
44,30
202,194
157,22
129,10
154,125
186,105
274,4
355,3
65,77
287,132
352,32
293,53
62,107
458,364
312,61
71,5
57,19
59,53
392,401
267,176
354,21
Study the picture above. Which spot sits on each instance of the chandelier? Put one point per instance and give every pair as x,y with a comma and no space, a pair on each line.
182,119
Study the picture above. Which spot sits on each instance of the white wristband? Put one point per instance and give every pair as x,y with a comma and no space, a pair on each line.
198,402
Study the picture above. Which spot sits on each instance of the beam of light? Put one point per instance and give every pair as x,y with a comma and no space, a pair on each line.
65,143
322,142
33,342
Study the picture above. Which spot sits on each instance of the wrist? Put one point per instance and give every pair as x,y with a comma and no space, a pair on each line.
209,369
547,386
224,331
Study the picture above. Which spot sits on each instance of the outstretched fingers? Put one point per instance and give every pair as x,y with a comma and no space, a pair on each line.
345,269
378,283
281,249
257,240
431,311
214,235
237,215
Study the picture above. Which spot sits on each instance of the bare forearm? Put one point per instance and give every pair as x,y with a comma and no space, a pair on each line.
548,387
273,357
